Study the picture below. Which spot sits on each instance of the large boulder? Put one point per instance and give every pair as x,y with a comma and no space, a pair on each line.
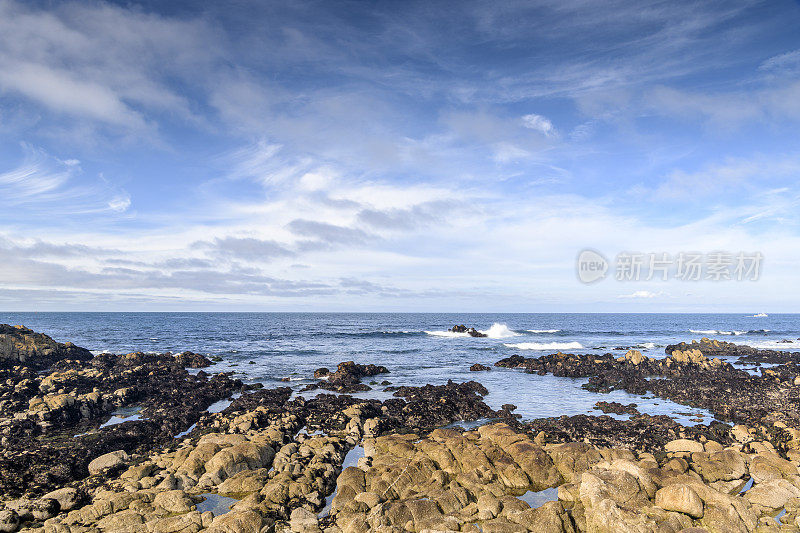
22,346
108,461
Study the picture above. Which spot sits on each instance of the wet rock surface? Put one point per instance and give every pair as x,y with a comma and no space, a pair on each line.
334,463
617,408
461,328
50,422
687,377
744,353
22,346
347,377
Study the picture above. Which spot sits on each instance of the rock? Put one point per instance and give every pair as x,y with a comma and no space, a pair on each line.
236,522
634,357
303,521
108,461
683,445
768,466
68,498
464,329
9,521
692,356
19,344
680,498
40,509
192,360
773,494
173,501
347,377
617,408
477,367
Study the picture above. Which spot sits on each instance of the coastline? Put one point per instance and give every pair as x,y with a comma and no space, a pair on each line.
432,457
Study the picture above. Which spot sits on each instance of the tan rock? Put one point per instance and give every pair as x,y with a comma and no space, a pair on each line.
680,498
772,494
109,460
683,445
68,498
173,501
243,522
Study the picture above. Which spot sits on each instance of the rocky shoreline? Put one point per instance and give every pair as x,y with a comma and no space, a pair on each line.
274,461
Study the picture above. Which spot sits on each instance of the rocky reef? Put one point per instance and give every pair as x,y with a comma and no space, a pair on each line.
272,461
347,377
744,353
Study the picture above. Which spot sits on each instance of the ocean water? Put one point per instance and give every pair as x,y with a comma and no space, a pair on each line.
417,348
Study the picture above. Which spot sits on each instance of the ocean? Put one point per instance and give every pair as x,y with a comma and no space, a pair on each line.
417,348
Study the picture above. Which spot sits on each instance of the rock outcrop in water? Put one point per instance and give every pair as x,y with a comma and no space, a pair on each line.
347,377
745,354
22,346
464,329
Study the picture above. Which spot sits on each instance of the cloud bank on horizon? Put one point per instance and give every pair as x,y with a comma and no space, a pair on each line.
393,156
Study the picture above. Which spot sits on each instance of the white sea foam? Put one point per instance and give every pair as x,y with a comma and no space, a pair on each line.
716,332
646,345
546,345
759,315
775,345
544,330
447,334
499,331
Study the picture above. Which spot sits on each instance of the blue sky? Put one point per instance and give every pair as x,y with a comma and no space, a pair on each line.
393,155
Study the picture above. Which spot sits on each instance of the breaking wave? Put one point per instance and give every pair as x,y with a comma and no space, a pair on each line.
499,331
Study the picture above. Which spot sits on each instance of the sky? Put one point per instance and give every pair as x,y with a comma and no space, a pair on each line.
395,156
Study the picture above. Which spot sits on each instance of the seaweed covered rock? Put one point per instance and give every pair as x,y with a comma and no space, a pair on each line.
22,346
347,377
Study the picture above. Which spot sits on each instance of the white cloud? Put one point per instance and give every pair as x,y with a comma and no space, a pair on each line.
641,295
42,183
540,124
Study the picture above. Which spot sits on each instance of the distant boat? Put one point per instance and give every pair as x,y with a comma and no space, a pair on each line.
760,315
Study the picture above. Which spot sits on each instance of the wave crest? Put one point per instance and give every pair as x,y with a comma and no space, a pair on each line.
546,345
716,332
499,331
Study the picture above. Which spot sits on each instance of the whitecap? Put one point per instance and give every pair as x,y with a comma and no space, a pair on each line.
447,334
774,345
546,345
544,330
716,332
499,331
759,315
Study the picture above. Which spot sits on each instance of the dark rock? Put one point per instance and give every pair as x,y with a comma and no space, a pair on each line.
746,354
642,432
192,360
464,329
40,450
20,345
347,377
477,367
616,408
